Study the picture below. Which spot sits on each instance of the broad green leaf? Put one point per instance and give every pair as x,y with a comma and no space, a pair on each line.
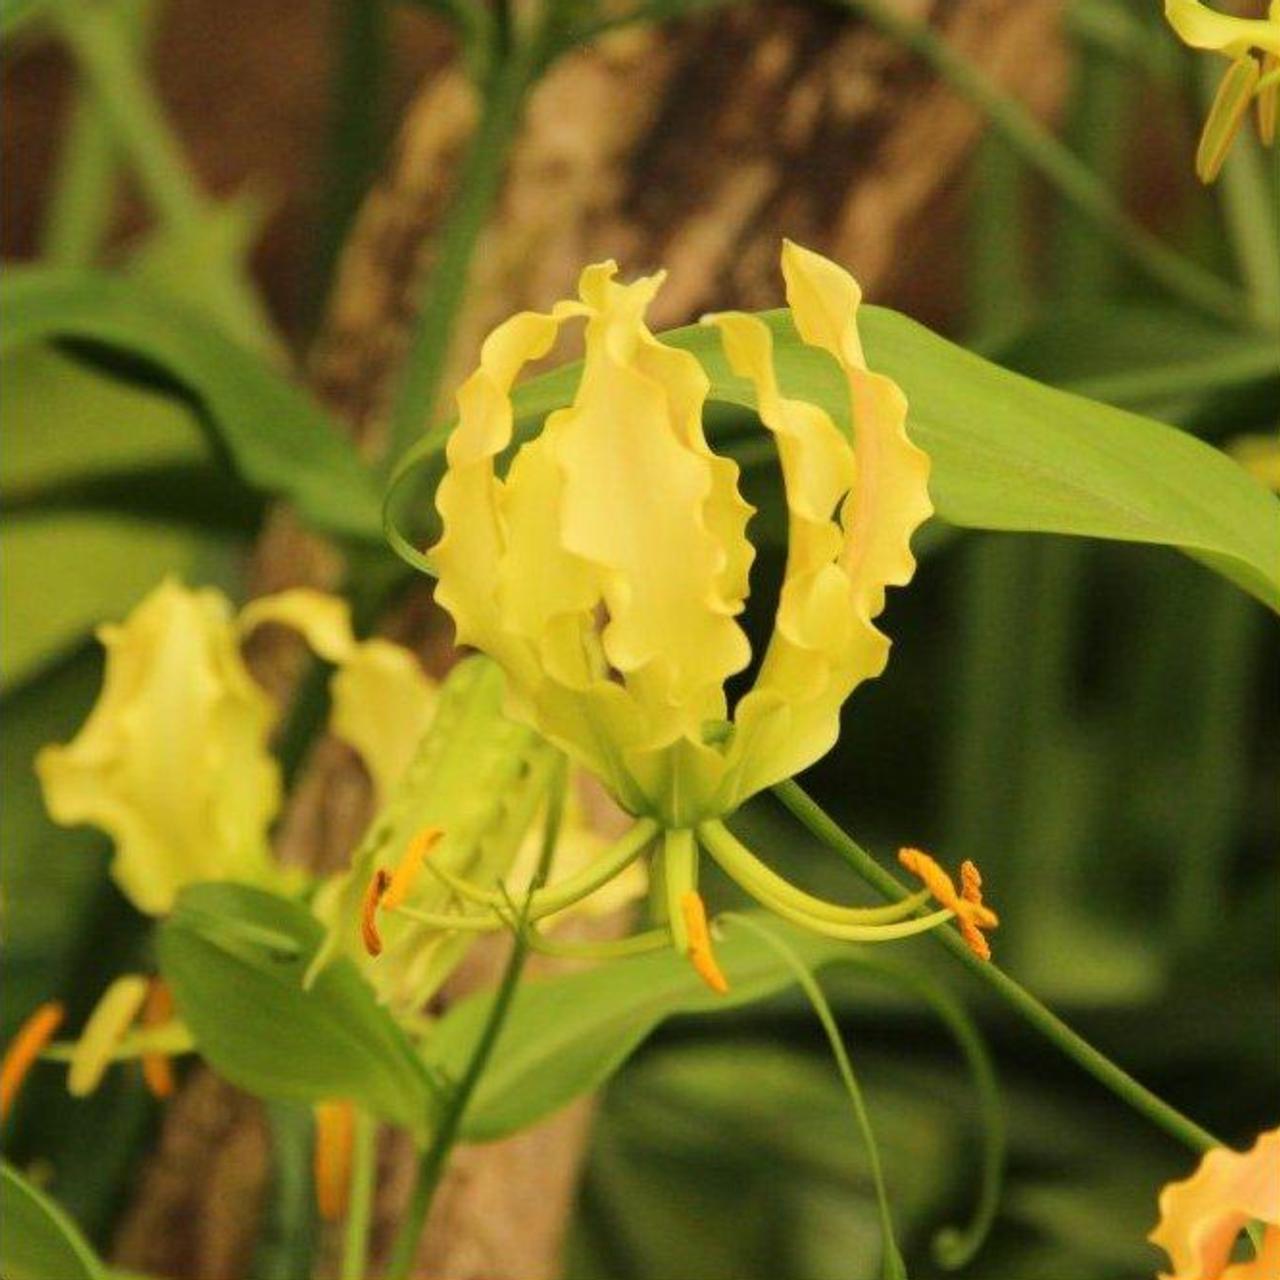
564,1036
235,957
39,1241
1142,356
278,440
1008,453
64,423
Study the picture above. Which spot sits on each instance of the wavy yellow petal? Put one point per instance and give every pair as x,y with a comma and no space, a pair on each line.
469,555
382,705
1201,1216
634,504
890,495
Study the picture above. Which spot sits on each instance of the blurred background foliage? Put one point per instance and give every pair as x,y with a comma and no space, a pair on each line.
1094,724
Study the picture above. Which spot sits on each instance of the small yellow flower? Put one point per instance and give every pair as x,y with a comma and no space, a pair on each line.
606,571
173,760
1202,1216
1248,79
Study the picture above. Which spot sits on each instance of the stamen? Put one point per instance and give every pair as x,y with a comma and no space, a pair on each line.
410,868
369,934
157,1072
700,953
972,915
335,1138
21,1055
111,1018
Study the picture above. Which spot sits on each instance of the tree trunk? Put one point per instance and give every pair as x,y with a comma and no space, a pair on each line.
695,147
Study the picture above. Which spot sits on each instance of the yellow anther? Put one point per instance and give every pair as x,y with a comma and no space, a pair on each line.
157,1071
410,868
972,914
335,1137
700,954
369,911
34,1034
111,1018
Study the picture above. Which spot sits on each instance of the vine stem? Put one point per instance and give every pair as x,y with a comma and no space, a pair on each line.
434,1158
103,54
1071,177
816,820
364,1164
504,90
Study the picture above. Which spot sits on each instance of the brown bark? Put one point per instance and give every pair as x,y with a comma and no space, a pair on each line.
695,147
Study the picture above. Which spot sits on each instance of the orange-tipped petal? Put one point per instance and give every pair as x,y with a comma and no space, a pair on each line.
972,914
700,953
34,1034
157,1071
406,874
1201,1216
369,911
335,1137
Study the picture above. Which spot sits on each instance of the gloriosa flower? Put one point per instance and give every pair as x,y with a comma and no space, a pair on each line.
1248,78
173,759
1202,1216
606,569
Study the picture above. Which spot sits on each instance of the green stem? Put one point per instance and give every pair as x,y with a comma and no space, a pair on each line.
434,1158
414,405
680,876
893,1268
357,129
94,34
364,1168
1248,211
1124,1086
1069,175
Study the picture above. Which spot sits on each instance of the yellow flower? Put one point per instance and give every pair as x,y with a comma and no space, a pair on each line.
606,571
1202,1216
173,759
1247,79
606,568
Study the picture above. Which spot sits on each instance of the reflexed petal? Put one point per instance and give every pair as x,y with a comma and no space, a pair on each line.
382,705
890,496
1203,28
791,717
468,556
324,621
1201,1216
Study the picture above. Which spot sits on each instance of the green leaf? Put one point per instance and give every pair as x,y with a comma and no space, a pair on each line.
566,1035
69,431
15,14
278,440
235,957
39,1240
1008,453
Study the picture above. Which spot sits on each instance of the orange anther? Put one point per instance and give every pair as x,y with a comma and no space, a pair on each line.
157,1071
972,914
335,1137
700,953
369,911
34,1034
410,868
